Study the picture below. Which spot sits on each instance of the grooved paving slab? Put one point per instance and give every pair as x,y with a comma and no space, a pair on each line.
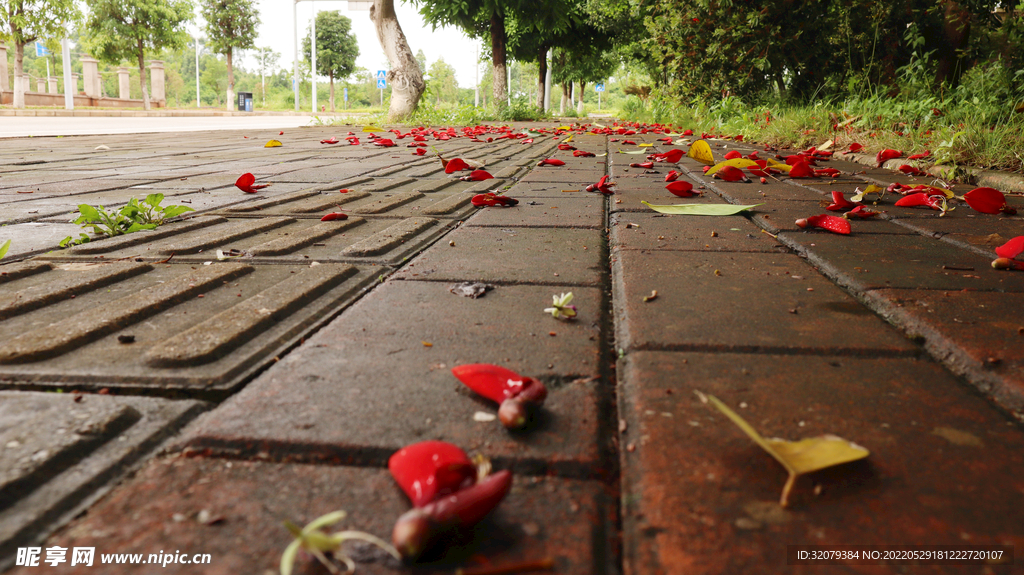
781,216
166,327
565,520
516,255
569,211
651,231
945,467
59,451
379,377
563,174
898,261
278,239
983,231
759,302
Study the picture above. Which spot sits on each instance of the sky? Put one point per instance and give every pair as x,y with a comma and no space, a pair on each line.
276,25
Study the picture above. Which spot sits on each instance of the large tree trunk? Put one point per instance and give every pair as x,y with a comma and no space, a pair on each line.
231,80
142,78
331,76
498,58
405,76
542,72
579,106
956,29
565,98
19,69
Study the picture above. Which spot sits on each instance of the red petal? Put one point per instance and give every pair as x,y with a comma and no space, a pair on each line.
920,156
801,170
886,155
1012,248
645,165
551,162
911,170
839,202
455,165
420,151
671,156
732,154
855,147
730,174
491,381
628,142
480,175
334,216
431,469
672,176
331,140
565,147
681,189
245,183
830,223
915,200
986,200
688,133
582,154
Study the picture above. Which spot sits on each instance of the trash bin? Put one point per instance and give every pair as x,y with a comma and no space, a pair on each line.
245,101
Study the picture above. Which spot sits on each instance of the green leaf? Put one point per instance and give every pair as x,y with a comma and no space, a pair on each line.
154,199
174,211
700,209
4,248
89,214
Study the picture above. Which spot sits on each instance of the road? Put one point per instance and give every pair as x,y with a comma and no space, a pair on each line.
27,126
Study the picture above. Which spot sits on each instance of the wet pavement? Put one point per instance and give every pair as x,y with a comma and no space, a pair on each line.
159,398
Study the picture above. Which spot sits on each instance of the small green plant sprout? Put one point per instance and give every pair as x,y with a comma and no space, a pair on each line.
314,540
135,216
4,248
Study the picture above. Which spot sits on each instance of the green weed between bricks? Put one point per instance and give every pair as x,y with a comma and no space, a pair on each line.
137,215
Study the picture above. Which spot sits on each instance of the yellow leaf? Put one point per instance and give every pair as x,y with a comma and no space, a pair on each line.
798,457
701,151
681,141
273,144
735,162
644,145
872,189
825,147
779,165
567,140
564,128
372,129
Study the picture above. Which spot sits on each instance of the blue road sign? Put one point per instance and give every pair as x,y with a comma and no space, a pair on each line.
381,74
346,94
41,50
382,83
599,87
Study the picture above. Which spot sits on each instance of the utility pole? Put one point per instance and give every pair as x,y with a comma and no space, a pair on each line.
69,90
295,64
312,67
197,71
476,91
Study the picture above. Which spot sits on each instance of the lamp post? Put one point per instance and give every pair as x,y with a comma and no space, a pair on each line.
197,71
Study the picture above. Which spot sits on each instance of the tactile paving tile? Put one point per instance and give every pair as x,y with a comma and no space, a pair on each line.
58,449
359,239
162,327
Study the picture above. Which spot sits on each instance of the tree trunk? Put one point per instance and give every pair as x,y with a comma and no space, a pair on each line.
498,58
142,77
231,80
542,72
579,106
565,98
19,69
331,76
405,77
956,29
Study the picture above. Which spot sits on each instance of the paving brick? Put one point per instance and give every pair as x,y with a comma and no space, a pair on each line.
564,520
564,174
379,377
788,306
984,232
650,231
579,210
944,466
542,255
894,261
59,450
72,338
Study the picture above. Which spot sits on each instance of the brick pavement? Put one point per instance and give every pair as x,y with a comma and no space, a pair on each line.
899,337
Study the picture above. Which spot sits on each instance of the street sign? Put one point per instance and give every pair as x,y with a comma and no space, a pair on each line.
599,87
381,74
382,83
41,50
346,94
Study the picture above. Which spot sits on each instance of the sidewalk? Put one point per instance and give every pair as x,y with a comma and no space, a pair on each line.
217,424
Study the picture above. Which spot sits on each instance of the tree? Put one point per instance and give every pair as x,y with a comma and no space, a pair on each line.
336,47
214,77
25,21
442,81
582,66
405,76
421,59
490,18
230,24
121,29
266,62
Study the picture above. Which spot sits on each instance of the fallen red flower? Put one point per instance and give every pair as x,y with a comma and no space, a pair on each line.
419,151
732,155
565,147
860,212
246,183
920,199
670,157
730,174
801,170
492,199
988,201
516,395
431,469
628,143
672,176
681,189
455,165
384,143
331,140
582,154
551,162
1012,248
921,156
477,176
854,148
602,185
912,170
645,165
884,156
840,203
826,222
334,216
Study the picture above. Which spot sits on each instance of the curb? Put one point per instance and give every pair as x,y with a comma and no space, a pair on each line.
165,113
1003,181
